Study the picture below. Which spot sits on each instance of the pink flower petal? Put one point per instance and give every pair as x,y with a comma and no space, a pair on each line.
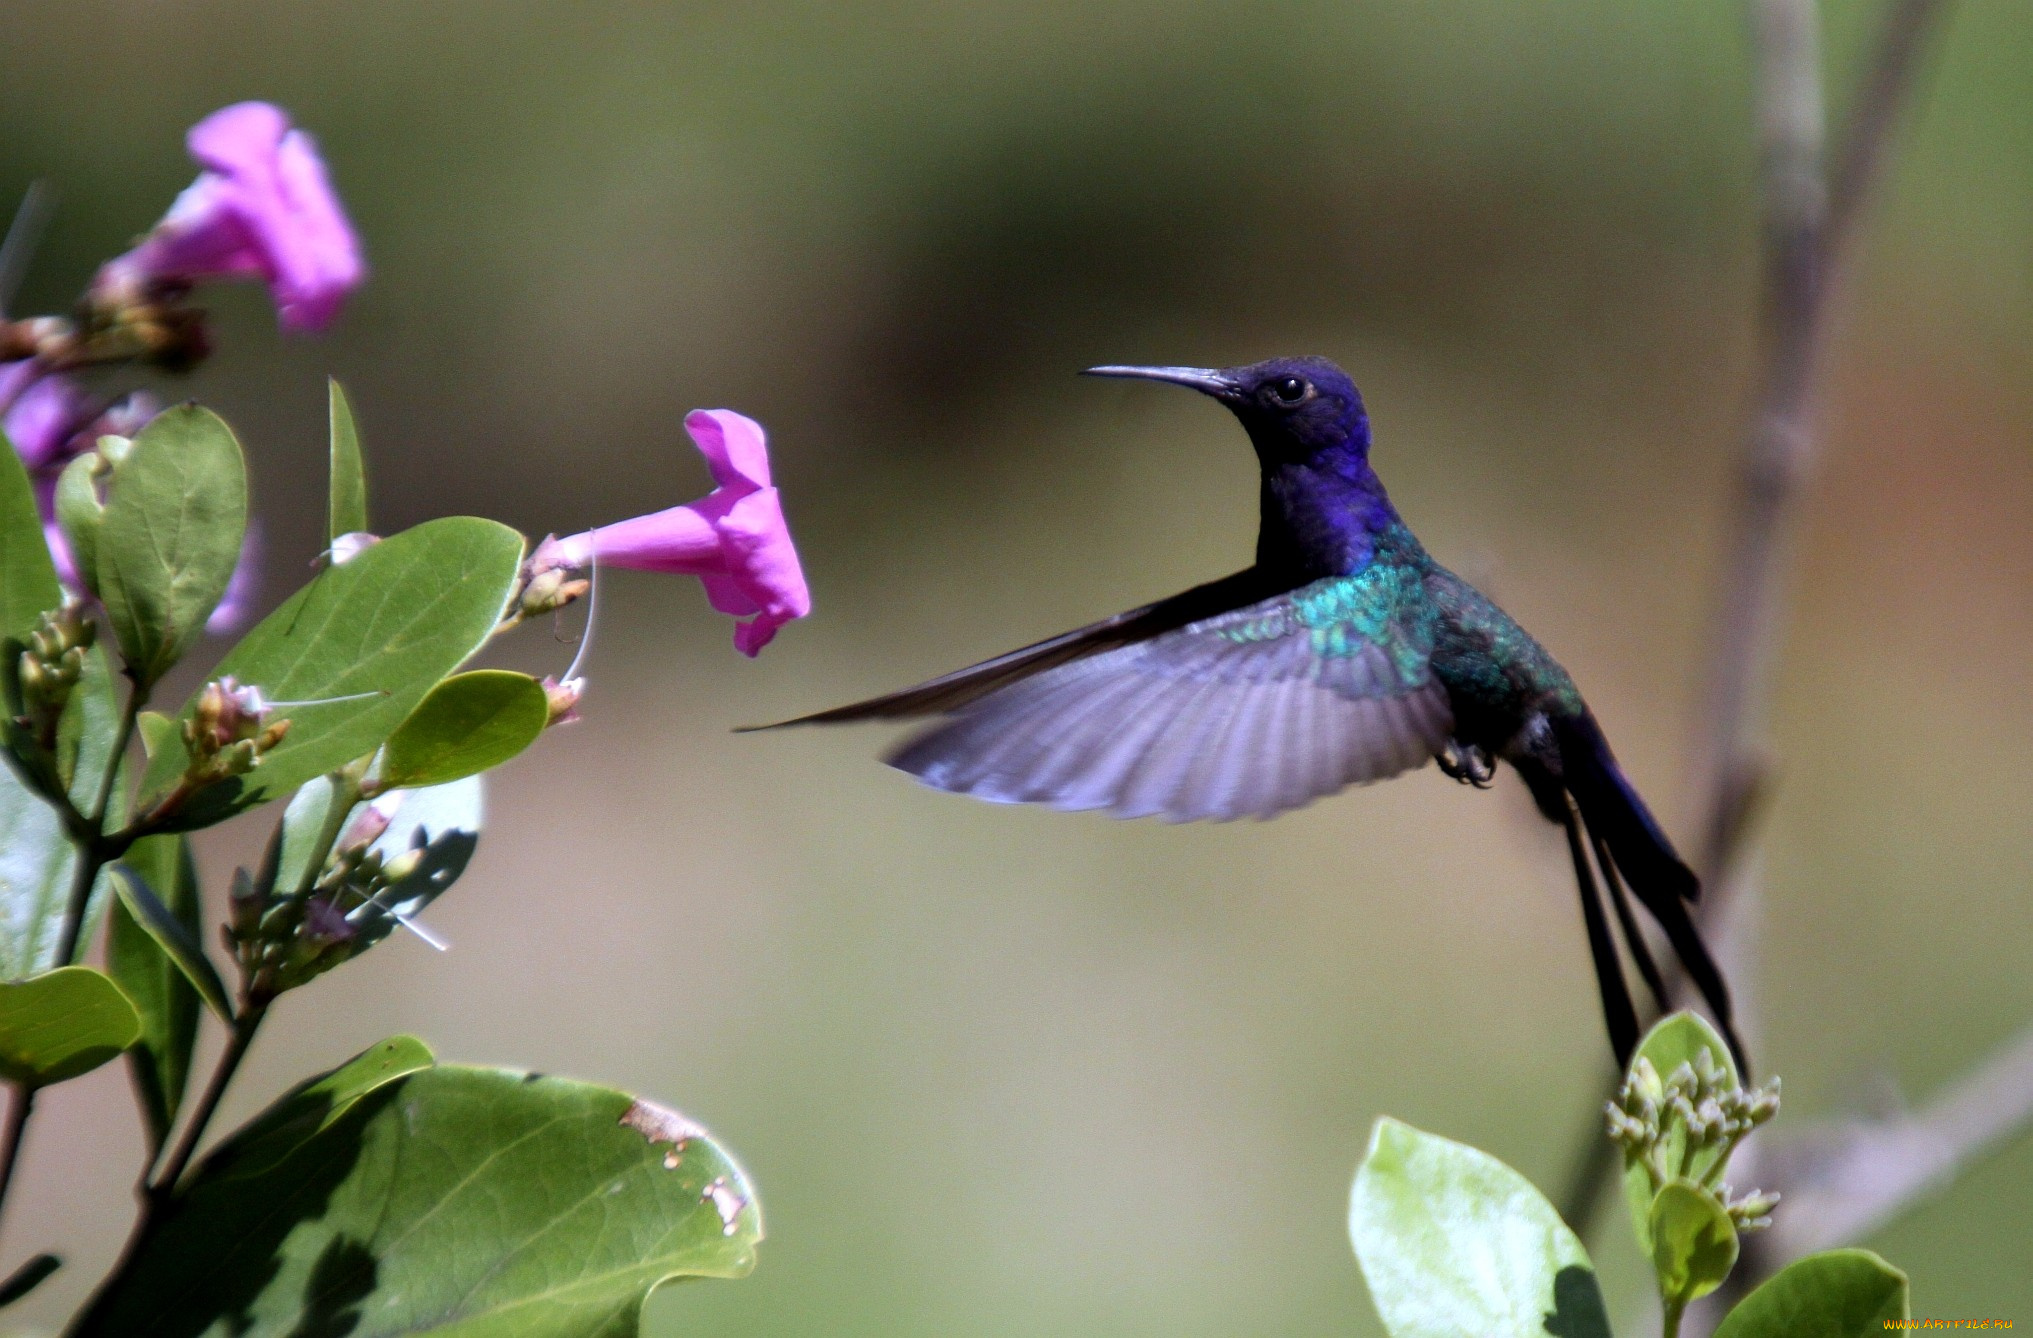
734,539
262,208
733,445
678,539
762,557
725,594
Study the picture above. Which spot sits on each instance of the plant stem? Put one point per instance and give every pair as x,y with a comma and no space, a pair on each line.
1669,1324
17,1125
245,1026
94,853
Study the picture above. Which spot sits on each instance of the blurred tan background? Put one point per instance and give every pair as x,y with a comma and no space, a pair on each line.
1008,1072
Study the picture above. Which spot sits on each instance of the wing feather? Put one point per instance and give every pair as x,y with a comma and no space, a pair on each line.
1251,712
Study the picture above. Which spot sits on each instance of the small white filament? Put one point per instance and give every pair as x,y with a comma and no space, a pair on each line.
410,923
592,611
328,701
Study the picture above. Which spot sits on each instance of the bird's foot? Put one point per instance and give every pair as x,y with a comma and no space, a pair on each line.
1468,763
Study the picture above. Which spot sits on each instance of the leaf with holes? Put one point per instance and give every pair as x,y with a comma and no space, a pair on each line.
444,1200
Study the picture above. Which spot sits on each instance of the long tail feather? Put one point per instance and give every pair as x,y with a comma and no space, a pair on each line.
1617,1011
1627,923
1621,823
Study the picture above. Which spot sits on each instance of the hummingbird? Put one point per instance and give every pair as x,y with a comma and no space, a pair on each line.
1343,654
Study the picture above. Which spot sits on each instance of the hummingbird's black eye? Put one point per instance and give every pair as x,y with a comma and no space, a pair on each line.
1287,390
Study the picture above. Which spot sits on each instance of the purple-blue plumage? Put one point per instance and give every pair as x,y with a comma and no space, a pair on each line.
1343,654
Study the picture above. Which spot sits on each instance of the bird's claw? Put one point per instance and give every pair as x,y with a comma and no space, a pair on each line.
1468,763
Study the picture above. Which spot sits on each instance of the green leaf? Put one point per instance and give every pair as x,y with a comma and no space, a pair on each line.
86,735
349,475
80,513
159,987
390,623
62,1023
177,939
302,826
35,878
28,584
37,862
481,1202
171,535
308,1109
468,723
1836,1294
1694,1244
155,729
1673,1040
1452,1242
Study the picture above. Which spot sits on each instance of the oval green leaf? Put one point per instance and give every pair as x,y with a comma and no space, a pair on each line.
468,723
1678,1038
171,535
449,1200
36,867
1836,1294
1452,1241
37,861
62,1023
80,513
390,624
28,584
1694,1244
348,511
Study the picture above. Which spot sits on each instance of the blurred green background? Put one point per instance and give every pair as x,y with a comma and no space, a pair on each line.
1009,1072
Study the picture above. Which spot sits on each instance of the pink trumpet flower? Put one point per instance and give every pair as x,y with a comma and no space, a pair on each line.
262,208
43,414
734,539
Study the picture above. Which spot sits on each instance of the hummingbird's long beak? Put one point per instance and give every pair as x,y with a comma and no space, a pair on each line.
1206,380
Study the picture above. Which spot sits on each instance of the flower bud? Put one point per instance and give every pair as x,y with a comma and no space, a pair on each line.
323,920
229,731
51,665
563,697
548,591
403,865
367,826
351,545
1753,1212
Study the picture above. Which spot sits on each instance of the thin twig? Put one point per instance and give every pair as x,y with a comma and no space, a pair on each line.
17,1125
237,1044
1805,223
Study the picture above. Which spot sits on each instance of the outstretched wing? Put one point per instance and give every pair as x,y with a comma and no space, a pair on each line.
950,692
1248,712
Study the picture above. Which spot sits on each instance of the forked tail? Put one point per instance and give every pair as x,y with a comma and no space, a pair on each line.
1629,848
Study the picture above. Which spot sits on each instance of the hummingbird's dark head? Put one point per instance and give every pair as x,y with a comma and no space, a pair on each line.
1295,409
